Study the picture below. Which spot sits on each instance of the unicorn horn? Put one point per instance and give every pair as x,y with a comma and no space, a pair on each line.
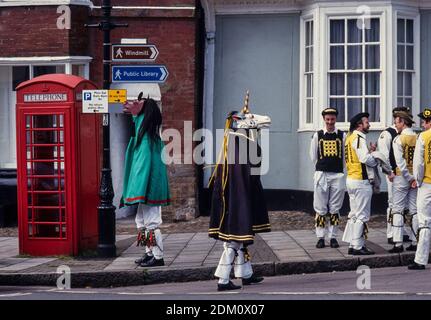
245,108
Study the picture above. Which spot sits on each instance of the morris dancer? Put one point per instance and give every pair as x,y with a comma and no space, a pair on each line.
327,153
145,179
238,208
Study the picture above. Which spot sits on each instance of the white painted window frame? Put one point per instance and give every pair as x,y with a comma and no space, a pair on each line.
41,61
322,16
345,71
401,12
310,16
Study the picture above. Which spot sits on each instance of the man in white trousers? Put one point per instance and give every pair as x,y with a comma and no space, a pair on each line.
359,188
148,219
422,174
384,145
327,154
404,186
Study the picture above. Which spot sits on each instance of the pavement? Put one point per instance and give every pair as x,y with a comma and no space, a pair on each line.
193,257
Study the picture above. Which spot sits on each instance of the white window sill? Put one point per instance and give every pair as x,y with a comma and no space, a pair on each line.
18,3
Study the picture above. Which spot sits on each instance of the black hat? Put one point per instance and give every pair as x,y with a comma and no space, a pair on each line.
403,109
425,115
330,111
356,118
407,116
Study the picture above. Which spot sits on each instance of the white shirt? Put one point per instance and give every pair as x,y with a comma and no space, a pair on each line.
399,156
418,160
384,143
315,145
362,151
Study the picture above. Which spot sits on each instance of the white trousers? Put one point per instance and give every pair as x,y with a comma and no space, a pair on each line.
329,189
150,218
424,217
233,255
389,210
360,194
404,197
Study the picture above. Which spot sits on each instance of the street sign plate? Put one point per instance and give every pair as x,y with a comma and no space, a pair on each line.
142,73
95,101
117,96
134,52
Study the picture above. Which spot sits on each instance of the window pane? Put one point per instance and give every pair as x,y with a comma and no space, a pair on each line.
372,83
19,74
41,70
307,33
372,57
401,57
354,84
354,57
336,84
354,34
408,102
337,31
309,78
78,70
409,58
337,57
409,31
400,85
311,32
354,106
307,59
373,34
309,111
401,30
372,106
408,84
400,102
339,104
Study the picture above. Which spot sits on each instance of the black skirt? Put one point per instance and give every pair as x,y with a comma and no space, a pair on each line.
242,211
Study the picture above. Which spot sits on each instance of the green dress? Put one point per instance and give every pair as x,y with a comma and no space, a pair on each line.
145,176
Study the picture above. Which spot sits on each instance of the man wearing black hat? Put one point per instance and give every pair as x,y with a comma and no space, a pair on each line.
404,186
384,145
359,188
327,153
422,174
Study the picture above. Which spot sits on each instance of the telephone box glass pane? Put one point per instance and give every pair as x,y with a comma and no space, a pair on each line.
44,230
46,215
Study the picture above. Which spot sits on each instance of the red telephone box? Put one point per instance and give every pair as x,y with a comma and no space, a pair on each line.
58,155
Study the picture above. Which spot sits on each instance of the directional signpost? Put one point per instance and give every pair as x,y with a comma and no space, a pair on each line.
134,52
141,73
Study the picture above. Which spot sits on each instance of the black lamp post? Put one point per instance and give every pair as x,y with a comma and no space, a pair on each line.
106,209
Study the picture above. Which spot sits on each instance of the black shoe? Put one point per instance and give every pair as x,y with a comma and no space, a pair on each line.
334,243
350,251
411,247
406,238
153,262
227,286
252,279
320,243
364,251
143,259
391,241
396,249
416,266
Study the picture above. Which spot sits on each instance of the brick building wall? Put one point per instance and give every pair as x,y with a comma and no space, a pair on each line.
174,32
